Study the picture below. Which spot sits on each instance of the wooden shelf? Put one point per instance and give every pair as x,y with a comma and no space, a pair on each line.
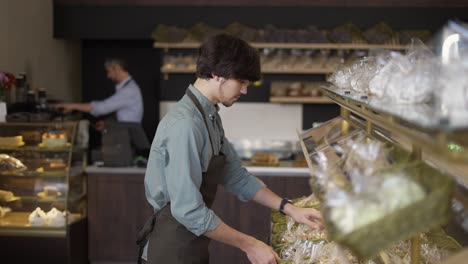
165,70
355,46
299,71
301,99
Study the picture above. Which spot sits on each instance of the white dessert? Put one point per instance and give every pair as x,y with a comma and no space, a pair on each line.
54,140
38,217
50,191
56,218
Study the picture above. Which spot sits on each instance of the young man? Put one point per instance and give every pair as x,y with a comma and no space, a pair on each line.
190,156
126,102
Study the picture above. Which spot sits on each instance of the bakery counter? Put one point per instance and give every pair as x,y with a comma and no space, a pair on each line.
117,208
285,169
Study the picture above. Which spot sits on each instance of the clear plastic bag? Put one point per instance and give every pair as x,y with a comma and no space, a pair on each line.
409,78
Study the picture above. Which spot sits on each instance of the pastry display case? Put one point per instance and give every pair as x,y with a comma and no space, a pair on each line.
42,180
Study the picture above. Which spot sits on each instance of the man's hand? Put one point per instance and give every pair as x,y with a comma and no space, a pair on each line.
65,108
259,253
68,107
308,216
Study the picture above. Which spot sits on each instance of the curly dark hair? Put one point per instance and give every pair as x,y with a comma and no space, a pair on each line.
229,57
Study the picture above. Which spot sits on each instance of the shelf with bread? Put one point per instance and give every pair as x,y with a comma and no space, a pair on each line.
264,45
166,70
41,173
270,64
42,180
346,36
373,144
298,92
390,173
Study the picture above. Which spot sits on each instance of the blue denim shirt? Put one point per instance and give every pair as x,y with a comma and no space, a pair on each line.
126,102
180,152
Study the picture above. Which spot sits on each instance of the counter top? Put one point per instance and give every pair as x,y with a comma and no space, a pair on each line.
282,170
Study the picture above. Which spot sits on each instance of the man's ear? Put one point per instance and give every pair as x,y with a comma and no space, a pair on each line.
218,78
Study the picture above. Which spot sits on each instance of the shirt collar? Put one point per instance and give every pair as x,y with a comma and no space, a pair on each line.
207,106
121,84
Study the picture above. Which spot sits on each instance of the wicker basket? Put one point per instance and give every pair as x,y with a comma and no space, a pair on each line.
432,211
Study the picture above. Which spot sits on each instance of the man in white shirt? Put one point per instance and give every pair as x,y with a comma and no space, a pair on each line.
126,102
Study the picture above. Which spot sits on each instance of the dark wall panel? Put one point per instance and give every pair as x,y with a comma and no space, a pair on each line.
318,113
137,22
144,64
441,3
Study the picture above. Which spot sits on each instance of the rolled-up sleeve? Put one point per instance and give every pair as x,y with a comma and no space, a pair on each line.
183,174
237,179
118,100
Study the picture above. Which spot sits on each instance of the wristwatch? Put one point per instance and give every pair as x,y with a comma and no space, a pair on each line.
284,201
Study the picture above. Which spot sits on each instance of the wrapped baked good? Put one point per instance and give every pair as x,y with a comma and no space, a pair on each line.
10,164
242,31
200,31
347,33
380,34
409,78
38,218
407,36
55,218
351,211
165,33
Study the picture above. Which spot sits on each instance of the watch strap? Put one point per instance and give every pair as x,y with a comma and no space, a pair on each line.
283,203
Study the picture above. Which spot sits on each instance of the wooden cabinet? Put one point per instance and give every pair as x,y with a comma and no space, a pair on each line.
251,218
118,208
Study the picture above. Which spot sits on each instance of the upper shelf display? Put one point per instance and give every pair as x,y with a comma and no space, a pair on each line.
426,86
424,115
347,36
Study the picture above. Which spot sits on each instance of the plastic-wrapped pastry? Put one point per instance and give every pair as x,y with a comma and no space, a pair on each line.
367,157
347,33
380,33
38,218
407,78
164,33
350,211
9,163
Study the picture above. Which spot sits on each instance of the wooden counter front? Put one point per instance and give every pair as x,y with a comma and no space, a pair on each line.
117,208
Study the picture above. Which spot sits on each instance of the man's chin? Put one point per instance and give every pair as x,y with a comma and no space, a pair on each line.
228,104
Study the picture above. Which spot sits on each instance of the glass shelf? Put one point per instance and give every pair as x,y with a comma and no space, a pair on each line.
66,148
75,171
422,116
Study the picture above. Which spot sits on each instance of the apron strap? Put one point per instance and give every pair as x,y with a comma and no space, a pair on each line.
200,109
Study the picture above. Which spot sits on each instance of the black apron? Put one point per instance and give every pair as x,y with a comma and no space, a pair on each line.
170,241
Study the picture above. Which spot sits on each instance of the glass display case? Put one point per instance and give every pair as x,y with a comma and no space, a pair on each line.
42,180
